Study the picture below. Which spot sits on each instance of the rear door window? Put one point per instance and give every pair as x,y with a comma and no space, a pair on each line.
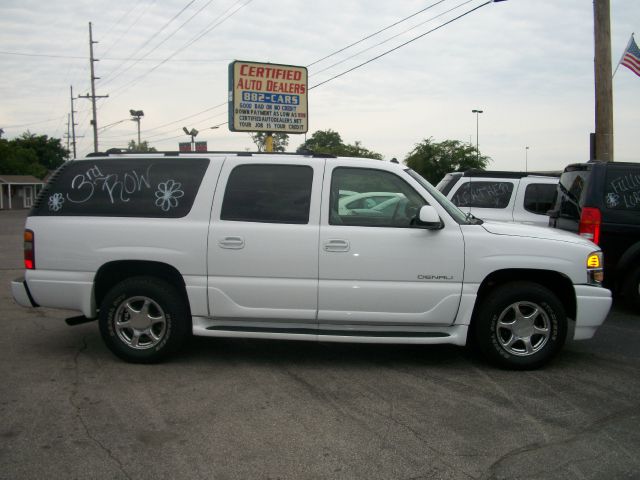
483,194
268,194
622,188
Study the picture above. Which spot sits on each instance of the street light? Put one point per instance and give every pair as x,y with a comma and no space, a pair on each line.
136,114
526,159
477,112
193,133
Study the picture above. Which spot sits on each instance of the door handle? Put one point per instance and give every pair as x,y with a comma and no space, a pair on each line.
234,243
336,245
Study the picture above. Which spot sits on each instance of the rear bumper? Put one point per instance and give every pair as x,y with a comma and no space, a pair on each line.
21,293
593,305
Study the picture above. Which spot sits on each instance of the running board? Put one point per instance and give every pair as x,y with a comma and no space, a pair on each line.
333,333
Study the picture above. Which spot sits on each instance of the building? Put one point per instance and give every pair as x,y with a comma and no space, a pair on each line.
18,191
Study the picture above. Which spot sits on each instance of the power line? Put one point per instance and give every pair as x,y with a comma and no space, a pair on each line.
376,33
401,45
349,70
391,38
114,59
149,40
134,23
219,20
119,21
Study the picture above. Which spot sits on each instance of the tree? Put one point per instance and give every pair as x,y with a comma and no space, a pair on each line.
330,142
50,152
15,160
31,154
433,160
280,141
140,147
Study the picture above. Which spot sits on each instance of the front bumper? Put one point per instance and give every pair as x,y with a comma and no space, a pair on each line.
593,305
21,293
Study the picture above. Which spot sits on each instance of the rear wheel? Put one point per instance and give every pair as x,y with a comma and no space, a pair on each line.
632,289
520,325
143,319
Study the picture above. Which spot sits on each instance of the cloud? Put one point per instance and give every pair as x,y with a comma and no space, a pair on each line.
528,65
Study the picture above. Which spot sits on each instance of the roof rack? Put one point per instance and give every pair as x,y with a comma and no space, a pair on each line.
474,172
119,151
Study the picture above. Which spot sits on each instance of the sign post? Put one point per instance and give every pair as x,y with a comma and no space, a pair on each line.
267,97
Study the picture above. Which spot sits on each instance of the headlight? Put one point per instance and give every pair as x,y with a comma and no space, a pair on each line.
595,272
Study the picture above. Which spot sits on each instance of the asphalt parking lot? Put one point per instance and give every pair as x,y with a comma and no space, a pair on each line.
248,409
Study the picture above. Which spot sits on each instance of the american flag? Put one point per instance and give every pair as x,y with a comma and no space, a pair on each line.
631,57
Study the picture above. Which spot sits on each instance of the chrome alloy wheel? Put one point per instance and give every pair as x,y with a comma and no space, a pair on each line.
140,323
523,328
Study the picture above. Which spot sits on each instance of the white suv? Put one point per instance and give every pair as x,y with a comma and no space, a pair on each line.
157,247
502,196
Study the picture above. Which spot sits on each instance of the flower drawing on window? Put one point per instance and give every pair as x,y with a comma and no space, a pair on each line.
612,200
55,202
168,194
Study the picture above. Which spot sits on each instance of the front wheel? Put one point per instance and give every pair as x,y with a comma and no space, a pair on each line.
520,325
143,319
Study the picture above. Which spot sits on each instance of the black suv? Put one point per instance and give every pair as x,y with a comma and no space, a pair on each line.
601,202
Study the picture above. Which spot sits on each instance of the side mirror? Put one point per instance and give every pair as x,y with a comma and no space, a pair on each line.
429,219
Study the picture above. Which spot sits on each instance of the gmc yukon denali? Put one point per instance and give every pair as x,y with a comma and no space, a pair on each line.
160,246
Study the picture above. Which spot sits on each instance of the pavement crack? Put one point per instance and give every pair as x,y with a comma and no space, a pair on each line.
593,428
78,410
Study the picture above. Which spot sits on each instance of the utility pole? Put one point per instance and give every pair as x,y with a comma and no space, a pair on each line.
93,95
68,134
73,125
603,81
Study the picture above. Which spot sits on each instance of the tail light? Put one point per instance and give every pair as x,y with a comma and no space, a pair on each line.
29,250
590,221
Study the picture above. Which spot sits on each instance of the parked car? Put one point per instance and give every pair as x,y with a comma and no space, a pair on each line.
601,202
156,247
363,200
502,196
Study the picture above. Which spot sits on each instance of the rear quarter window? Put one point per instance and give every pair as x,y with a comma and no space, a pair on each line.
539,197
483,194
622,189
127,187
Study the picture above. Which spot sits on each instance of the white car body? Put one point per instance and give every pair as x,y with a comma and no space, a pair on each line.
307,281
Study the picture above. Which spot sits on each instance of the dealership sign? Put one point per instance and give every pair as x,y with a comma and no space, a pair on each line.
265,97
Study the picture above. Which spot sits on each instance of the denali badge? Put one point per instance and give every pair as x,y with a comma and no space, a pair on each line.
435,277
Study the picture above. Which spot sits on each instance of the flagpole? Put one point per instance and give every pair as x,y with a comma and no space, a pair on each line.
623,54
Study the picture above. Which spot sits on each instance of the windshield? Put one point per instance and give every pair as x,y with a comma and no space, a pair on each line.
457,214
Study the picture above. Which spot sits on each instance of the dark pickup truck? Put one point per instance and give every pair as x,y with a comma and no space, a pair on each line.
601,201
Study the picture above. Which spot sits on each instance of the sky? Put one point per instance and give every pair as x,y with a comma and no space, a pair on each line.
527,64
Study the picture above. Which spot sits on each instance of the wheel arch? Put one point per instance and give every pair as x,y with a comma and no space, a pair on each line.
558,283
112,273
626,264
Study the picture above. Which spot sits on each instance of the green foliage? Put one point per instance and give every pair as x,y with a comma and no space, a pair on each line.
330,142
280,141
433,160
31,154
140,147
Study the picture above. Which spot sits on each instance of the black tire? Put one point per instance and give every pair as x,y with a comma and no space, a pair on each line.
144,319
631,289
520,326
